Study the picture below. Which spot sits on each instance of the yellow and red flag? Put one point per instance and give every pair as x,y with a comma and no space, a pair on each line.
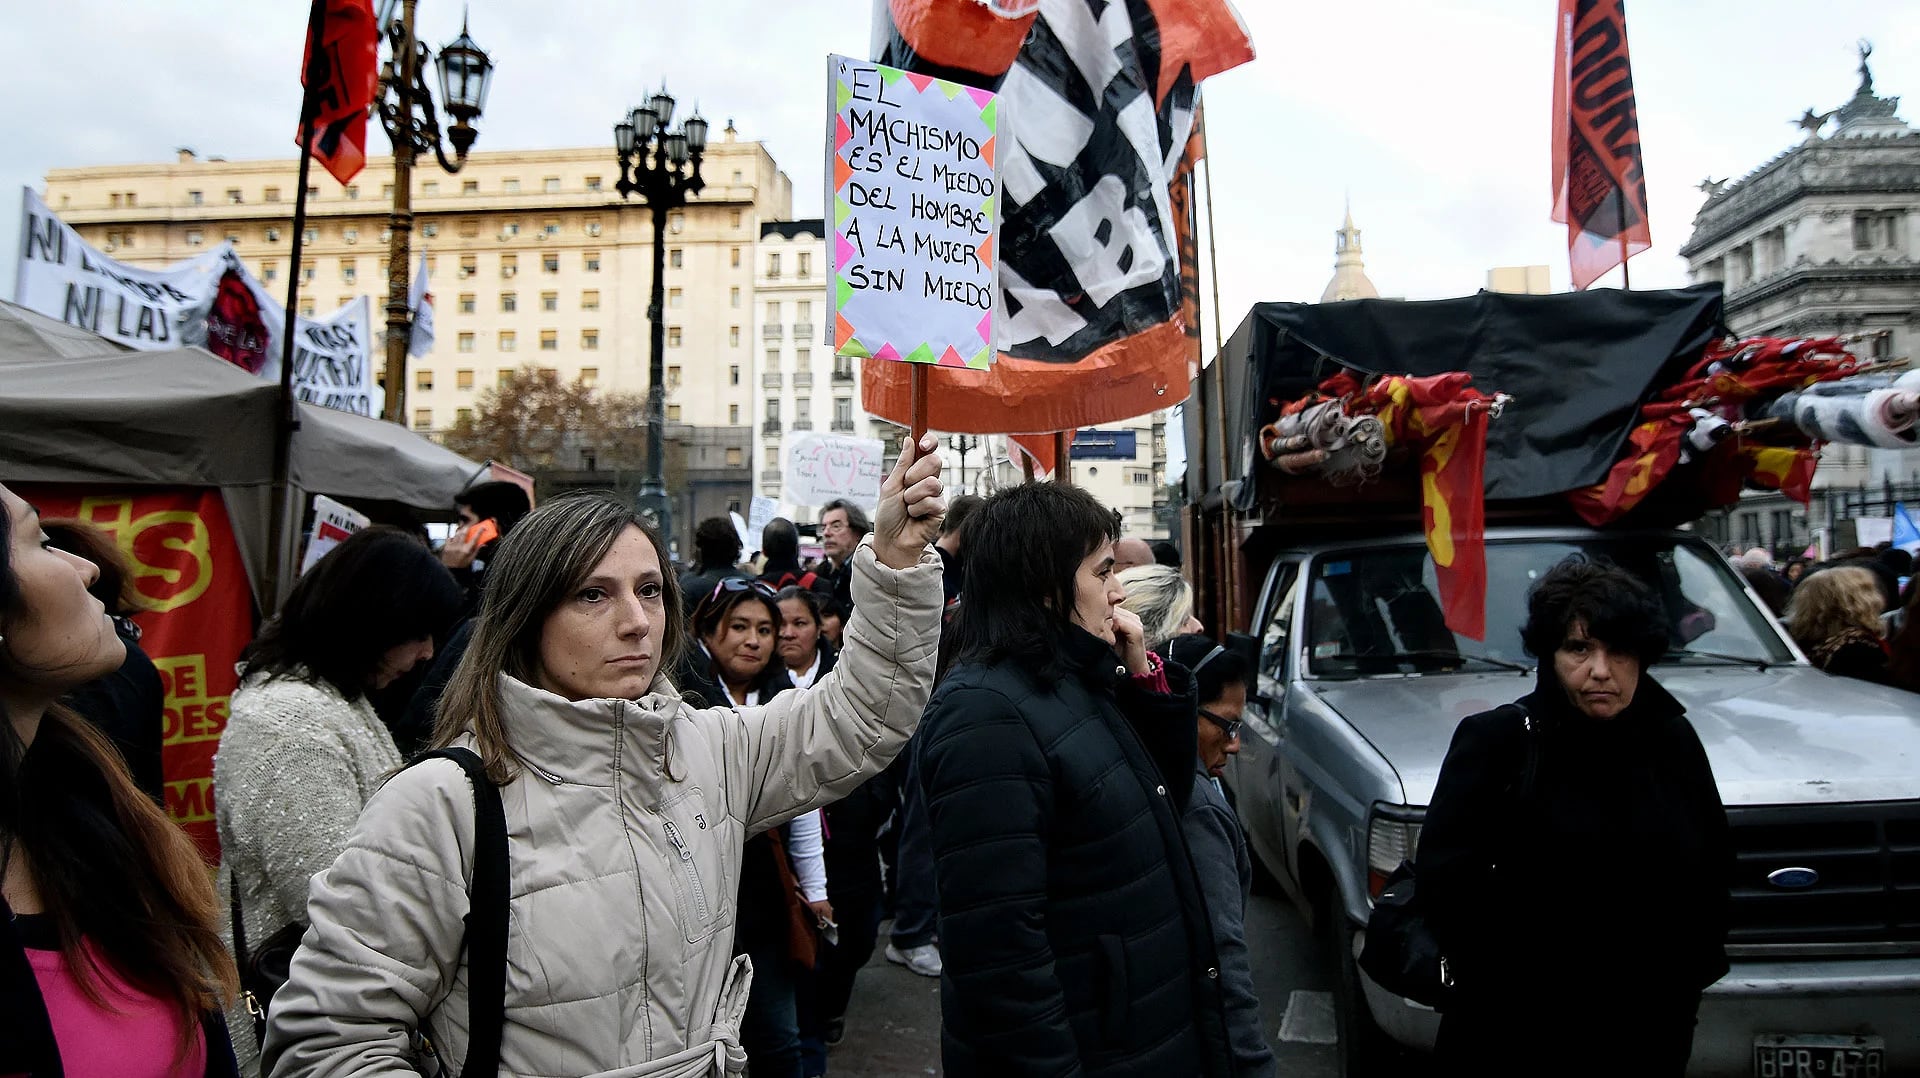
1653,448
1599,188
341,79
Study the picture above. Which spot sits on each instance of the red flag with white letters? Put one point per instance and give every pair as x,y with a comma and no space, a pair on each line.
342,76
1599,187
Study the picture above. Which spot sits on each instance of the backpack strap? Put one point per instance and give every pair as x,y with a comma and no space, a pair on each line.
487,917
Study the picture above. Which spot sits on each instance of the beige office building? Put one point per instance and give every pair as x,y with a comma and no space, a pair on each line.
534,259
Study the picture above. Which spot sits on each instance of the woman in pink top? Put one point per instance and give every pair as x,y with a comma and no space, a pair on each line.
110,958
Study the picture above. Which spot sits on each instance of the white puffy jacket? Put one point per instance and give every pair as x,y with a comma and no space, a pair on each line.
624,830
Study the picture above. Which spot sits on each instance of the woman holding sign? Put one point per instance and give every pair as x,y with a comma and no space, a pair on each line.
626,809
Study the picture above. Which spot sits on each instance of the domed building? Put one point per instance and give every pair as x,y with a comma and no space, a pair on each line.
1349,273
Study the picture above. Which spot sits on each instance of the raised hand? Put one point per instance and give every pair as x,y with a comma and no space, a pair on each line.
1130,640
912,504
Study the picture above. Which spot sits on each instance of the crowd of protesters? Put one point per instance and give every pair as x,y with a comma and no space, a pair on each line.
538,800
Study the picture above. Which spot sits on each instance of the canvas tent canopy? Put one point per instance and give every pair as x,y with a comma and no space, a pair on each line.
78,409
1578,366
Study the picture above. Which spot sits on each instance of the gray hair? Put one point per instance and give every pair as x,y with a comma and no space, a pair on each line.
1163,600
856,516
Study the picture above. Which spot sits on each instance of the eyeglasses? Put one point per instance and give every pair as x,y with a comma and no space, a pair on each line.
1230,726
740,583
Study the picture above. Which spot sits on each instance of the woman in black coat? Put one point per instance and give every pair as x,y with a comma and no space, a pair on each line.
1575,860
1057,757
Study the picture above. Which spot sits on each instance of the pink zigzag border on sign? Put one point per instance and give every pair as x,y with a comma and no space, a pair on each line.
952,358
886,351
841,133
842,251
980,97
920,82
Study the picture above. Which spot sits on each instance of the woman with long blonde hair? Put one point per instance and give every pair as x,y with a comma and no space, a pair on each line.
1834,616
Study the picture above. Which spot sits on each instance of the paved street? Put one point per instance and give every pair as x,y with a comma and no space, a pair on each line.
893,1027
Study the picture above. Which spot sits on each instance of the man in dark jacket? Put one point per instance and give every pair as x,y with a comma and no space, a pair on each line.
842,526
1057,758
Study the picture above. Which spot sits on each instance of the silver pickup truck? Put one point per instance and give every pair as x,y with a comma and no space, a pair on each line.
1360,686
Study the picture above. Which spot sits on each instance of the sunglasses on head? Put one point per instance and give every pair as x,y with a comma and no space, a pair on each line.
740,583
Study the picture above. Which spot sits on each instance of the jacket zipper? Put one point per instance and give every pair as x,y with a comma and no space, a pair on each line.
693,871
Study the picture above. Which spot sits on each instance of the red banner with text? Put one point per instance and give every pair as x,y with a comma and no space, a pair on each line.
187,566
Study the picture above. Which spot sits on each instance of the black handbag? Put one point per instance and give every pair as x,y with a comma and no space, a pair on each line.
1401,953
263,972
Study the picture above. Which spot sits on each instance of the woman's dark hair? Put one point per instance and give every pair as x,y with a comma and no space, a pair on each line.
717,544
112,870
502,502
719,604
1212,673
1024,547
805,596
114,587
1615,606
376,590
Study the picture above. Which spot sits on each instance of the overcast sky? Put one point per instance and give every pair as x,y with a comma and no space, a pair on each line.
1432,116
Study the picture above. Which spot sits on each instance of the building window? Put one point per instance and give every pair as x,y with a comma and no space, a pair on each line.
386,192
469,187
589,340
773,409
843,413
549,340
423,419
802,359
313,191
733,257
551,184
735,455
270,194
463,379
311,235
733,375
509,302
308,272
593,183
673,377
509,230
734,219
589,375
773,264
590,261
590,300
194,198
675,257
592,227
429,230
351,235
550,263
466,303
469,228
676,222
353,190
306,308
1878,230
802,408
773,456
675,297
773,359
233,196
195,237
503,379
733,297
466,342
431,187
509,265
804,263
803,311
269,271
673,336
510,187
509,342
423,379
344,300
549,301
843,368
673,413
733,336
462,416
469,265
733,416
349,270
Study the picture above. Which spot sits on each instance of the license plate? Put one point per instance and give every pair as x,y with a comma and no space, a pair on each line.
1823,1056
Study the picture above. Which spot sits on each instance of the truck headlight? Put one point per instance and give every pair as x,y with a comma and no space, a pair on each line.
1393,835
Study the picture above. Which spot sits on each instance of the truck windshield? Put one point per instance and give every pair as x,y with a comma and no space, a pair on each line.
1376,610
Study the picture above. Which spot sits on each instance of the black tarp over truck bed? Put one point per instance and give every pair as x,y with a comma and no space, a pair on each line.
1577,364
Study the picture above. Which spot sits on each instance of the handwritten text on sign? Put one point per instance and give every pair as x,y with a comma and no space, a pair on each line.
913,205
822,467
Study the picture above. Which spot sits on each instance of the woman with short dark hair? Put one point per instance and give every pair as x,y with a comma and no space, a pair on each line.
304,750
1575,858
1057,756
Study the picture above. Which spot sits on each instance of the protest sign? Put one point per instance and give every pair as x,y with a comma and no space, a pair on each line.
822,467
759,514
332,523
912,197
187,569
209,301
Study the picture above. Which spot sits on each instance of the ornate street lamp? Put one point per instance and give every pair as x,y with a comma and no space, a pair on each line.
662,165
407,112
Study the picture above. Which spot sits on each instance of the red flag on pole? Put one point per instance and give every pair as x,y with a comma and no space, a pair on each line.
343,78
1599,189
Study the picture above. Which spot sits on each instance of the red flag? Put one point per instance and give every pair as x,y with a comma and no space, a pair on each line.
1653,448
1089,250
1599,189
1453,499
343,79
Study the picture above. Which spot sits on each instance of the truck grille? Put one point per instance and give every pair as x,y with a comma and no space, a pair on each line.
1867,856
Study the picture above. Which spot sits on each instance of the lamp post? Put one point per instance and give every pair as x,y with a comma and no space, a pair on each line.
662,165
406,111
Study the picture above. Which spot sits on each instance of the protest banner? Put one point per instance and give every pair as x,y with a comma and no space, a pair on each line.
187,567
912,196
823,467
759,514
332,523
209,301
